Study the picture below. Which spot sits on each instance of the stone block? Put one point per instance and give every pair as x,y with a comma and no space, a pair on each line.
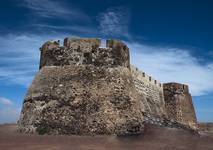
82,100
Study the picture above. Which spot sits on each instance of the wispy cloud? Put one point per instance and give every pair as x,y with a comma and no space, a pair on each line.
210,53
6,101
114,21
9,115
20,57
52,8
173,65
71,28
8,112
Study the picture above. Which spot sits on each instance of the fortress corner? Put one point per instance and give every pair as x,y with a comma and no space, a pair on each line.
178,103
82,88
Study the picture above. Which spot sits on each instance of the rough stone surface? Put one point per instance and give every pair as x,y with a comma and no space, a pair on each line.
70,96
84,89
178,103
150,91
83,52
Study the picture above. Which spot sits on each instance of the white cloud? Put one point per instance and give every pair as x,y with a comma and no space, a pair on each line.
173,65
9,115
19,58
73,28
114,21
8,112
52,8
5,101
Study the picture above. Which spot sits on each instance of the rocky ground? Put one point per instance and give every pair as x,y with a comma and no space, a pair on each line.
154,138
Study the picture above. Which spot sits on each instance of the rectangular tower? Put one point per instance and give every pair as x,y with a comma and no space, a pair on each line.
178,103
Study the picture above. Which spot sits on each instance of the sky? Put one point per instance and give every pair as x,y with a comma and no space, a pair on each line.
171,40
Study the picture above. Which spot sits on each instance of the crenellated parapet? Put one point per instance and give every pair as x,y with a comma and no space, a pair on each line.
178,103
151,90
85,51
85,89
147,78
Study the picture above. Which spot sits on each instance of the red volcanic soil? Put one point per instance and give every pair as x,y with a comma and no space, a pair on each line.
154,138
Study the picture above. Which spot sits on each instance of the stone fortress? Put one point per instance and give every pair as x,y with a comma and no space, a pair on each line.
84,89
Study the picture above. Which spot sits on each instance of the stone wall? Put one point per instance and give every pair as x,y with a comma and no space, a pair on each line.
151,92
82,89
178,103
80,51
166,122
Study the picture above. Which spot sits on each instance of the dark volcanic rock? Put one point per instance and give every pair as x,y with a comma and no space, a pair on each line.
178,102
84,89
81,98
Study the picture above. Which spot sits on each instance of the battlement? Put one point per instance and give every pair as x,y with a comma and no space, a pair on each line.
84,51
145,77
82,43
178,103
151,90
177,87
96,88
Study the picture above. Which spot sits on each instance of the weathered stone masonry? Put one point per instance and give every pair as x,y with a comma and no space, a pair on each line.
85,52
151,90
84,89
178,103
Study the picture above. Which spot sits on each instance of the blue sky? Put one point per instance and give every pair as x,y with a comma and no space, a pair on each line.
169,39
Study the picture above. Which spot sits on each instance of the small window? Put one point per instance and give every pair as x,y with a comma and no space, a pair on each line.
87,55
155,82
150,78
143,74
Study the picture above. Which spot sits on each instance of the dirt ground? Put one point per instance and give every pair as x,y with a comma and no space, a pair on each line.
154,138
